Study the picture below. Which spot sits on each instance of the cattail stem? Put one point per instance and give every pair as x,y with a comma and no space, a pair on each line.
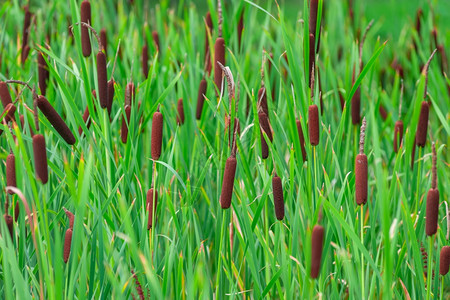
430,267
425,70
362,136
362,44
362,255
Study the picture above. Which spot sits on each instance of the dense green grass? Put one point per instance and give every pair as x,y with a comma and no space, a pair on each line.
196,249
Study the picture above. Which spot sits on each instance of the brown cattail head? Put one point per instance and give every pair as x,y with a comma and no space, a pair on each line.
110,93
302,139
432,212
422,125
313,125
278,199
383,112
180,115
71,218
67,244
312,57
85,17
26,26
4,94
262,99
444,261
444,61
156,41
55,119
201,98
10,224
104,41
151,193
398,135
418,20
130,93
157,132
40,158
16,211
25,53
313,5
341,100
86,120
361,179
102,79
219,57
228,182
240,28
265,127
11,171
209,27
145,60
316,249
43,73
125,124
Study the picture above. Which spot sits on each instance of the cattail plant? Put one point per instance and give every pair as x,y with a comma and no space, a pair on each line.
313,6
316,249
201,98
265,127
444,261
228,182
155,36
278,199
361,169
55,119
180,114
422,125
67,244
40,158
240,28
9,112
262,98
43,73
11,171
302,139
219,53
68,236
152,201
104,41
157,131
208,31
4,94
125,124
85,17
398,128
26,29
145,59
313,125
102,78
432,210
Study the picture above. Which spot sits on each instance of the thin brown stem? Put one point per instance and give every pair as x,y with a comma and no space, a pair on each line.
362,44
115,60
425,69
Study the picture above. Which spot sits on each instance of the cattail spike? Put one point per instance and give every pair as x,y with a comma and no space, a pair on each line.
278,199
201,98
43,73
240,28
313,125
180,115
40,158
55,119
125,124
302,139
70,216
219,57
228,182
444,261
432,211
85,17
4,94
102,79
265,127
67,244
157,131
316,249
11,172
422,125
104,41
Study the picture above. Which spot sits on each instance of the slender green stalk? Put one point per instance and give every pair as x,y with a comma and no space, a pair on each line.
430,267
363,294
